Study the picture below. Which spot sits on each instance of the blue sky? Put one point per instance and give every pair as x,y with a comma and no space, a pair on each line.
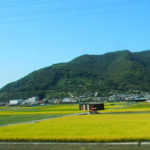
39,33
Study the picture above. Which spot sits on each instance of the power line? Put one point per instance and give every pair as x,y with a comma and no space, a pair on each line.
60,10
70,16
39,2
27,3
65,12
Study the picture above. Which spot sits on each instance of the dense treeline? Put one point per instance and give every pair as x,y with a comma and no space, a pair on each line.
120,71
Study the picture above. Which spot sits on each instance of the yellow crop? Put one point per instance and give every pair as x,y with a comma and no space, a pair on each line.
135,107
127,110
40,110
115,106
87,128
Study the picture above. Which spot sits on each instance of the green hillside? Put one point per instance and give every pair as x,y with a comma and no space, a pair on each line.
117,71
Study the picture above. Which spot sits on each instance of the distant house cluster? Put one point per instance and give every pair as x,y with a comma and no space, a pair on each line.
28,102
129,98
82,99
31,101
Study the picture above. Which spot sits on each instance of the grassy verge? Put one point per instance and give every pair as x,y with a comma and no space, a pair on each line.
12,119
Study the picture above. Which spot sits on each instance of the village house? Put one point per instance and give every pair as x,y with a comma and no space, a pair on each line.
69,101
31,101
15,102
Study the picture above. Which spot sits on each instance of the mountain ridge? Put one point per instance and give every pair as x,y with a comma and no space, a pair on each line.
114,71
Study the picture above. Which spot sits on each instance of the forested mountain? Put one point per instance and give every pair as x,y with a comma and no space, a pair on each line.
116,71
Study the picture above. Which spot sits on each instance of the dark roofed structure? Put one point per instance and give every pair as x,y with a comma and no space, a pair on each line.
91,106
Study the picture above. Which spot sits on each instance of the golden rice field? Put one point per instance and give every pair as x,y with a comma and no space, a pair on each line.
137,107
12,115
109,105
113,106
49,110
127,110
41,110
83,128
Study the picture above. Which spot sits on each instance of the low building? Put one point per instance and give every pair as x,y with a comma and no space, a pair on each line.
15,102
69,101
31,101
91,105
138,99
3,104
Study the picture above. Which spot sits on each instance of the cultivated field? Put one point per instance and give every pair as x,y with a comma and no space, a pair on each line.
133,107
10,115
83,128
40,110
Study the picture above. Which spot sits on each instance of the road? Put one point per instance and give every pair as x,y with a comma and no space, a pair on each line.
73,146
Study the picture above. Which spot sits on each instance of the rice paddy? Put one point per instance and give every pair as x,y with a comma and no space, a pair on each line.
133,107
40,110
85,128
10,115
82,128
